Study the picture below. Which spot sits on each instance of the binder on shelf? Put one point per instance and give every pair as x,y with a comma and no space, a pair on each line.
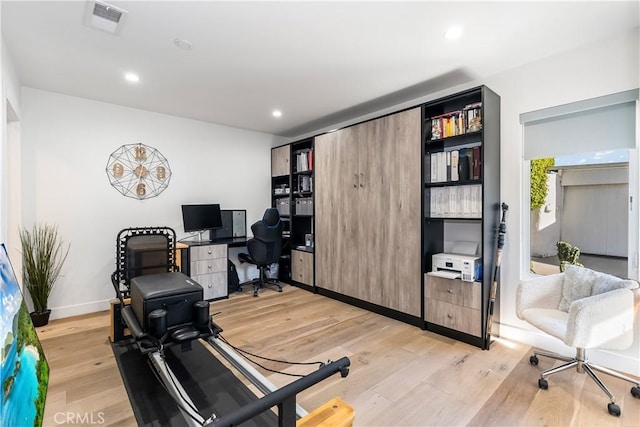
463,165
470,162
466,201
434,167
455,155
476,162
427,168
458,201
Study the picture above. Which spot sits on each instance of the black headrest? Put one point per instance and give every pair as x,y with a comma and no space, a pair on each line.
271,217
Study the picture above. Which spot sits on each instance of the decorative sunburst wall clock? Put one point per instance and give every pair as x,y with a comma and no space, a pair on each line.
138,171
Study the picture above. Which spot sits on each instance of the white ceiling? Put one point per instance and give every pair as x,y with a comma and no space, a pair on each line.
312,60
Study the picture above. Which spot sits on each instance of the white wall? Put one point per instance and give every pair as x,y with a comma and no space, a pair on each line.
10,187
599,69
66,142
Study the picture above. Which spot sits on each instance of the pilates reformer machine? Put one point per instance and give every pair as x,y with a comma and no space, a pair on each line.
166,310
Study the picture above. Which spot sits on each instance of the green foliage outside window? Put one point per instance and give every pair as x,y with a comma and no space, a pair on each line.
539,168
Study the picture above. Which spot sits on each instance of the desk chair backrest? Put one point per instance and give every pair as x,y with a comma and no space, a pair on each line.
266,245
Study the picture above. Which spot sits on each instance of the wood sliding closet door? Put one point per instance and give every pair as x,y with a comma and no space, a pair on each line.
402,135
335,186
368,192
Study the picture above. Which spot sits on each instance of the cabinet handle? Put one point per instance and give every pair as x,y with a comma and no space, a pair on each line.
355,180
361,180
209,251
450,316
450,291
210,265
210,286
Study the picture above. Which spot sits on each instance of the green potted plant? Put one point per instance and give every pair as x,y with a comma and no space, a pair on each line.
43,255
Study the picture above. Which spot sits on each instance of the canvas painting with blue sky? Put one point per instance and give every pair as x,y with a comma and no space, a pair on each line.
25,371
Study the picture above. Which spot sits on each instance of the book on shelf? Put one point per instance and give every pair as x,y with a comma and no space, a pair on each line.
457,122
304,160
304,183
473,117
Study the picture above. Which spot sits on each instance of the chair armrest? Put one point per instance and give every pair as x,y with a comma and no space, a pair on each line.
604,320
541,292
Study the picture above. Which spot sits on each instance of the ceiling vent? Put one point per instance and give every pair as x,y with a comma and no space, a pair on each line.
105,17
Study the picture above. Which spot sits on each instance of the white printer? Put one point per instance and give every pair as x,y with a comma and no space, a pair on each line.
456,266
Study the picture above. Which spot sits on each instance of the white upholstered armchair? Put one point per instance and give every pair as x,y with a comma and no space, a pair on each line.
584,309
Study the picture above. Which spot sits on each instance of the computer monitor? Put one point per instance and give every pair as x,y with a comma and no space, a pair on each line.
234,224
201,217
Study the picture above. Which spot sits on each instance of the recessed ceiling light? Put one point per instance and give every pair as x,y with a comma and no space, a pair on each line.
453,33
131,77
276,113
182,44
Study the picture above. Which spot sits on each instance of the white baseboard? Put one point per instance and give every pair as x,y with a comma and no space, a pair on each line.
77,309
619,361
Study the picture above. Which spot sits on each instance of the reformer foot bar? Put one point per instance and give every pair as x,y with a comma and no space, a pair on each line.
184,317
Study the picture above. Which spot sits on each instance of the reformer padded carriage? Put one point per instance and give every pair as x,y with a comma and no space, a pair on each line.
166,310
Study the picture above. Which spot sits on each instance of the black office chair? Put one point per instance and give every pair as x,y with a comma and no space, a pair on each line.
264,248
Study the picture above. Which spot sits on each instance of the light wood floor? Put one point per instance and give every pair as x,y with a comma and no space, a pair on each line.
400,375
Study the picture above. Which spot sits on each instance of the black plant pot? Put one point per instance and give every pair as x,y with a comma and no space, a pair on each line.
40,319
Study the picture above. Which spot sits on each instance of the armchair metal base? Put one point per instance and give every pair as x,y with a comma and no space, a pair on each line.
262,280
583,366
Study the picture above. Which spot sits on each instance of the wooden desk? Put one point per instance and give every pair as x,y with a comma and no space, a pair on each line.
179,247
206,262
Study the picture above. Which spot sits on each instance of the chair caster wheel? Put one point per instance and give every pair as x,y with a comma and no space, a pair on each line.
533,360
255,294
280,290
635,392
543,384
613,409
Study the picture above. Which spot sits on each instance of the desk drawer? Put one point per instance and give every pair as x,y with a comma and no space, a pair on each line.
208,252
463,319
214,284
453,291
208,266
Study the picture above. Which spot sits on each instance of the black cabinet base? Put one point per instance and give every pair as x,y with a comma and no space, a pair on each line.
384,311
303,286
456,335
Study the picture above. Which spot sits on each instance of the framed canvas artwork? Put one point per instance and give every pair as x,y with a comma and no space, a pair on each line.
25,371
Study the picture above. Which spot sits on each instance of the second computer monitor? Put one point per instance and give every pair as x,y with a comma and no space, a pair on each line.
234,224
